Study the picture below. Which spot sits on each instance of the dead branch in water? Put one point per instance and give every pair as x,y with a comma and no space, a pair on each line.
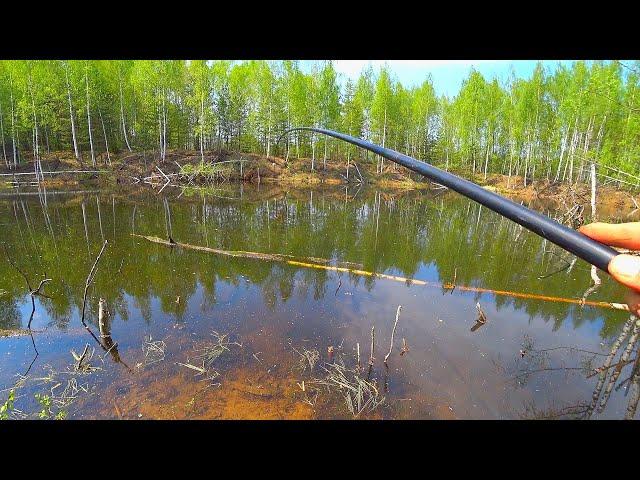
481,320
635,395
102,325
373,335
393,332
37,290
455,277
81,358
32,291
310,357
277,257
212,350
88,282
405,347
360,395
32,294
605,366
312,262
624,358
154,351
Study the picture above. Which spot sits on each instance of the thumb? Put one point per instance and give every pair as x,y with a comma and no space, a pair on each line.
626,269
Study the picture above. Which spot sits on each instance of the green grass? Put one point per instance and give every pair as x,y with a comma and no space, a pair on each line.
202,169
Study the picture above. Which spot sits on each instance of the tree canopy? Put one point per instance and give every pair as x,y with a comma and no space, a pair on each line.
548,126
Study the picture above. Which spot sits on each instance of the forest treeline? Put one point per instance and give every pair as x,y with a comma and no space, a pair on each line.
551,125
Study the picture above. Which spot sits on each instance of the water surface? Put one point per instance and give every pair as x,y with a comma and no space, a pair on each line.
167,306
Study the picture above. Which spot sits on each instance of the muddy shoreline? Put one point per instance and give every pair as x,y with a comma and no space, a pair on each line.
143,169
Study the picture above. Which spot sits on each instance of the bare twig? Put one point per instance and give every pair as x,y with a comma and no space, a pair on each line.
373,335
154,351
482,318
37,290
10,260
624,358
405,347
393,333
605,366
89,280
80,358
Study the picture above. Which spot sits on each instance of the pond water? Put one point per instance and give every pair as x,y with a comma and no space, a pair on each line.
196,334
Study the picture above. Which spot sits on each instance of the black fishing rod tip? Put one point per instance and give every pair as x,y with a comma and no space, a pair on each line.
284,134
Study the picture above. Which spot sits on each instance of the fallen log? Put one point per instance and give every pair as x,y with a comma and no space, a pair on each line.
52,173
277,257
320,263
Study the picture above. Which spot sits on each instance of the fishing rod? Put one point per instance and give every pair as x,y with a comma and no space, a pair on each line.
570,240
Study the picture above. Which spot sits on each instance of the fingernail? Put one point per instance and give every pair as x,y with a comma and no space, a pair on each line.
625,266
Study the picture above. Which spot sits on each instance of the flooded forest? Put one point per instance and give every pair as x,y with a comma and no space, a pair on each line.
167,253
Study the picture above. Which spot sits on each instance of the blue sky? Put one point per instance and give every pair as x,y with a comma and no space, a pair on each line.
447,75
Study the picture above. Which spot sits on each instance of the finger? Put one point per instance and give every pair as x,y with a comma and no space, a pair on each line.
626,269
624,235
633,300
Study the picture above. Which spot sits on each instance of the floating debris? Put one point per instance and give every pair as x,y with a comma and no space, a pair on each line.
154,351
212,351
359,395
405,347
481,320
393,332
308,357
200,370
82,361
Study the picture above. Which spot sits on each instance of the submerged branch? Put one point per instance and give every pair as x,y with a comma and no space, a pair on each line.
89,280
393,332
319,263
277,257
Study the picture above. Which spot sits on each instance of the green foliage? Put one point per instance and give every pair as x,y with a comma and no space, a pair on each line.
7,406
550,125
206,169
46,412
45,403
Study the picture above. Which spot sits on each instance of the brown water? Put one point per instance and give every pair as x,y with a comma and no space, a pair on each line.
168,306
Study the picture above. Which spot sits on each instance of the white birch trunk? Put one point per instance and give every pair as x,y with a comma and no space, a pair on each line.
313,151
104,132
269,134
36,150
13,125
124,128
164,124
73,122
93,155
201,130
4,149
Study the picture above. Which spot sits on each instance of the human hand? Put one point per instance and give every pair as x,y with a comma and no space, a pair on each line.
624,268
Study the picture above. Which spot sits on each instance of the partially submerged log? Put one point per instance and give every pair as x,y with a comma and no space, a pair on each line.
319,263
14,332
277,257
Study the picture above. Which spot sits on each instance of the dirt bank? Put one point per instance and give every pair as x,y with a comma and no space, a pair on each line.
190,168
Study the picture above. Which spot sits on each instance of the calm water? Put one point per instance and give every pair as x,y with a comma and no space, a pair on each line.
168,308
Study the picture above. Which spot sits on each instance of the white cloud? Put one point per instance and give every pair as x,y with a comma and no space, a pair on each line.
352,68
